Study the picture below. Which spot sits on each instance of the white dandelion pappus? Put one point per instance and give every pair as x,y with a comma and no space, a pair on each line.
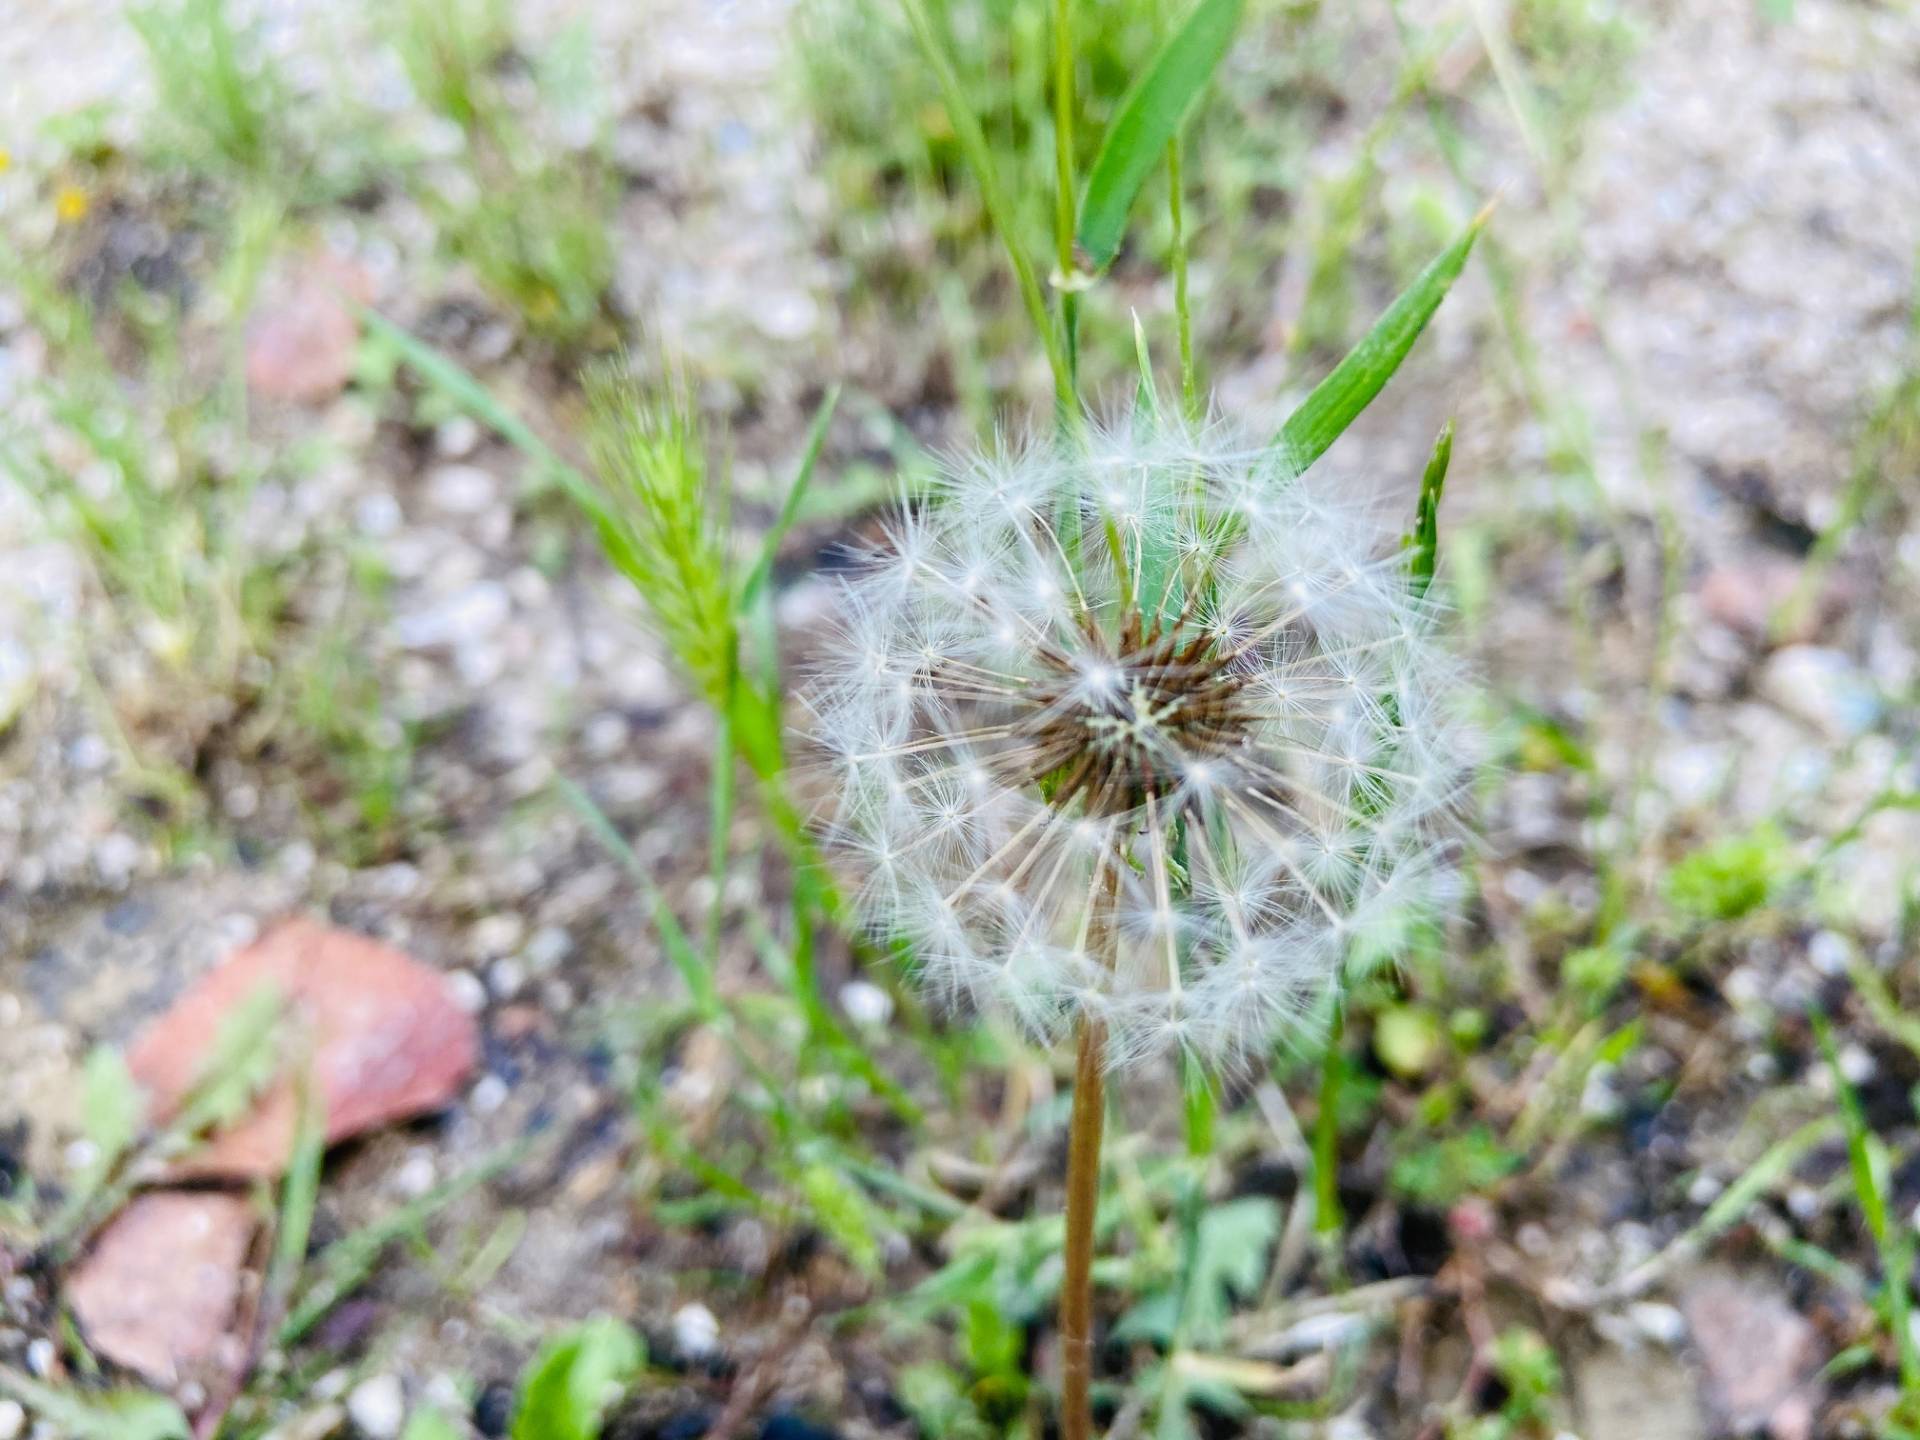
1144,729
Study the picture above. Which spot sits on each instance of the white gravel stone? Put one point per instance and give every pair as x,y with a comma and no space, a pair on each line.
378,1407
488,1095
866,1003
468,990
1662,1324
505,977
13,1419
696,1332
461,489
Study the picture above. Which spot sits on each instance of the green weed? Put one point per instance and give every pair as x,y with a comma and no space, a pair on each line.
529,213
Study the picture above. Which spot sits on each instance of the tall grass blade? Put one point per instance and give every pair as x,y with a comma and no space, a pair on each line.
796,496
1337,400
1150,116
1425,539
973,142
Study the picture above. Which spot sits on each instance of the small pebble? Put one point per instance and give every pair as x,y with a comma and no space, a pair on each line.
40,1357
548,947
468,990
489,1095
866,1003
496,935
13,1419
378,1406
505,977
1856,1064
1662,1324
696,1332
416,1175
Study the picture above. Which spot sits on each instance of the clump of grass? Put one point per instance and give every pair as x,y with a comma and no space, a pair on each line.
527,208
222,102
899,171
222,639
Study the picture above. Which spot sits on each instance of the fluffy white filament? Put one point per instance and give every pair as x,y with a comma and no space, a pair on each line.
1143,727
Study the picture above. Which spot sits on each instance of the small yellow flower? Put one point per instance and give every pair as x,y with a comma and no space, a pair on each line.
6,159
70,204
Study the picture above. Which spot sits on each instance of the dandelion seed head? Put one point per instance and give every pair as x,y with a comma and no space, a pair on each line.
1154,730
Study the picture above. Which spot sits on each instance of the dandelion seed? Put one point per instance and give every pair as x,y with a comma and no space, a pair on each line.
1161,734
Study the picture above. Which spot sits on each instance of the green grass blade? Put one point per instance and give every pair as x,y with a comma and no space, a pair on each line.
299,1192
460,387
1337,400
973,143
1424,542
1150,116
796,496
680,950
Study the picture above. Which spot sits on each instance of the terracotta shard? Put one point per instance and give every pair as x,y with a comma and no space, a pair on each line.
386,1037
158,1291
302,338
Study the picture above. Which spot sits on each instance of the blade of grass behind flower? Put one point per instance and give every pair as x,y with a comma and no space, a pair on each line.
973,142
1424,542
1351,385
1149,117
796,495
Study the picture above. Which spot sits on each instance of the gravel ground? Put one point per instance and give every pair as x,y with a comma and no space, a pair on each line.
1722,278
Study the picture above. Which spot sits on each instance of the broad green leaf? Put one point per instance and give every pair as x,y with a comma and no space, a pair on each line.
575,1379
1150,116
1335,402
98,1415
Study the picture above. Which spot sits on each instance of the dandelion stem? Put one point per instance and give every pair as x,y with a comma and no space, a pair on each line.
1083,1198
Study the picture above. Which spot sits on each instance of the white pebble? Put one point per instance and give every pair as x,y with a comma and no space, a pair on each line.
489,1095
416,1175
505,977
1661,1324
13,1420
468,991
696,1333
40,1357
866,1003
378,1406
548,947
496,935
1856,1064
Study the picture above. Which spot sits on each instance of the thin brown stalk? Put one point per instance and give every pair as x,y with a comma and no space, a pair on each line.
1083,1198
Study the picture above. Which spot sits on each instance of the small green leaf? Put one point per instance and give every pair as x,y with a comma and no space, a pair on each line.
1350,387
575,1379
1150,116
